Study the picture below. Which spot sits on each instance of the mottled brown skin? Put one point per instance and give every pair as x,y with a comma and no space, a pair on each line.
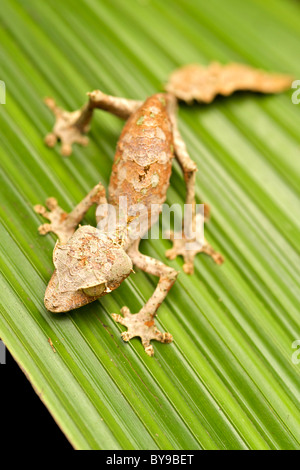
88,263
196,82
143,160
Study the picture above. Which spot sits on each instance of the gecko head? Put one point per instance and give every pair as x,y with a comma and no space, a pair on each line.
88,266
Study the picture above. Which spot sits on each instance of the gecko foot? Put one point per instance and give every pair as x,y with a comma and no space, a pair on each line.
141,324
189,249
58,220
67,128
64,224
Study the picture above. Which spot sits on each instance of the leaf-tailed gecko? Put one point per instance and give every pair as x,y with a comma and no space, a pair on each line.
91,262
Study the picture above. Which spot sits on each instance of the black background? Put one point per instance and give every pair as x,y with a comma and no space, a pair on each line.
25,422
27,425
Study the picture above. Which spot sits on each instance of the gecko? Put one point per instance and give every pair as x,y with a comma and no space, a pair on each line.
91,262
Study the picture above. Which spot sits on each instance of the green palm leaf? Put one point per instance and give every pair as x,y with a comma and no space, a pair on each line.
228,380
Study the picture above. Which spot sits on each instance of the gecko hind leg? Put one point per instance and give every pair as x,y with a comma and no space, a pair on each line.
142,324
183,245
181,248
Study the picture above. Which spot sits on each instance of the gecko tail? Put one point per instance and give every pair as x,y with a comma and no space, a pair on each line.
203,84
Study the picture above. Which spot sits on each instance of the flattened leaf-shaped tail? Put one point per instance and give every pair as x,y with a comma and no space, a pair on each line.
203,84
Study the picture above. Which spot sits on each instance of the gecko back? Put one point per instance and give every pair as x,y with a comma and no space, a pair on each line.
143,159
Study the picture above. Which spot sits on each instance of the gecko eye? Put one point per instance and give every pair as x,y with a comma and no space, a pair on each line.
88,266
95,291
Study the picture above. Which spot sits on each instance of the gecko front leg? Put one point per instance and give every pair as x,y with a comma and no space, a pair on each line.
70,127
182,241
142,323
62,223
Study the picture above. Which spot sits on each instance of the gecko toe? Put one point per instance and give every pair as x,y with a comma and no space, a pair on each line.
149,350
50,139
44,229
66,150
167,338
